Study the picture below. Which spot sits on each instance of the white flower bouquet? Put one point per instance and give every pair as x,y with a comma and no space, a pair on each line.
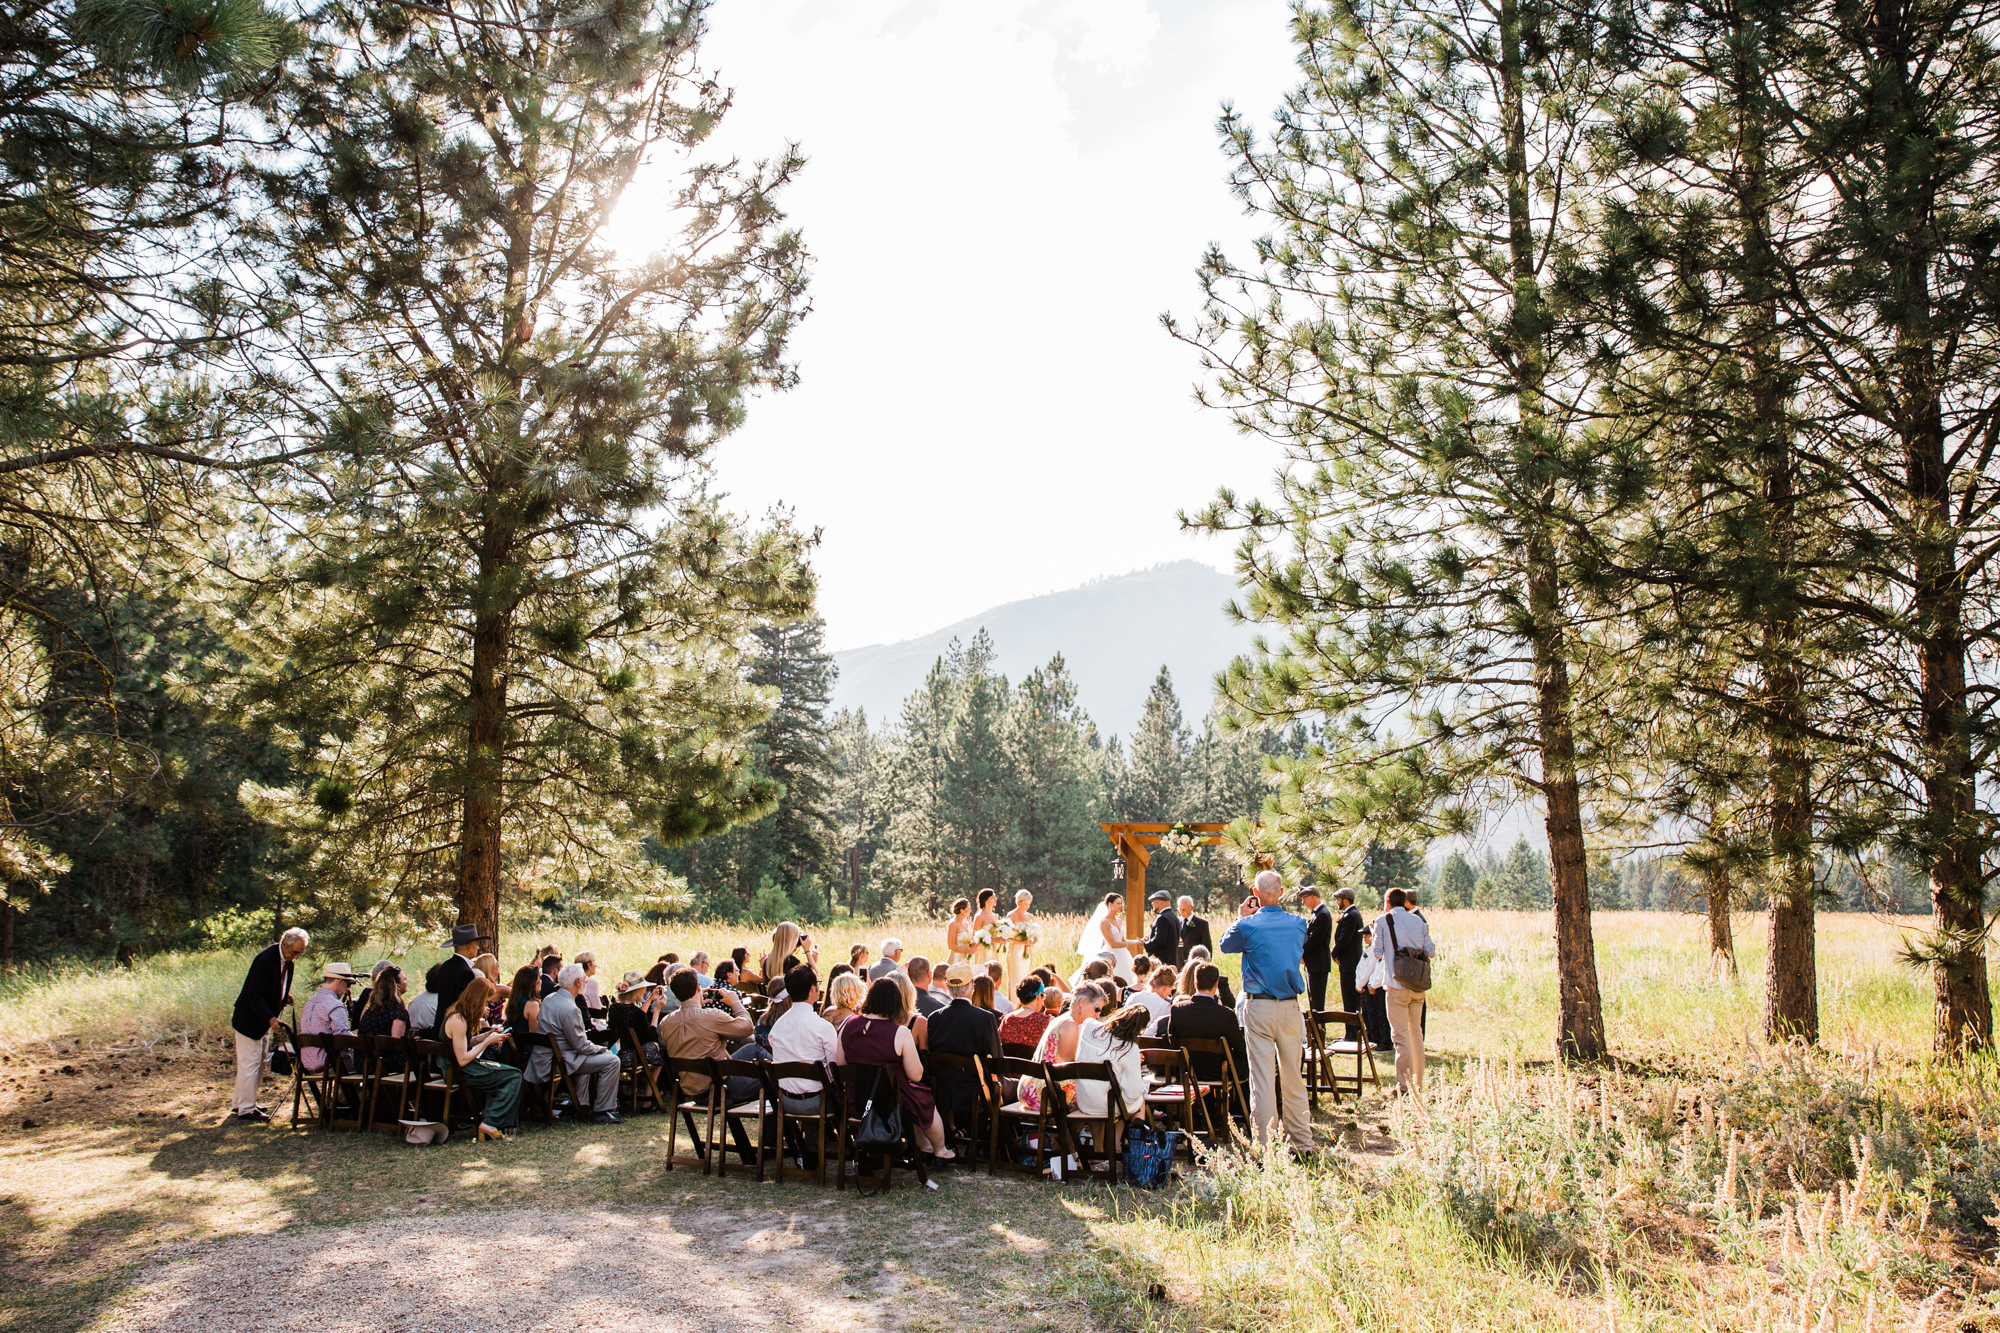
1179,841
1028,932
983,937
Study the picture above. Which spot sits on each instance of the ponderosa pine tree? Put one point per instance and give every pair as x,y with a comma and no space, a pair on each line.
1395,338
517,625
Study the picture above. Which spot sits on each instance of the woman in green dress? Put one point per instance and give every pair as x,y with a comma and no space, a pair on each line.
499,1085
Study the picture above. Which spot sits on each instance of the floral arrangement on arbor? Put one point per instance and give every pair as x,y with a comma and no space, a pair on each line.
1180,841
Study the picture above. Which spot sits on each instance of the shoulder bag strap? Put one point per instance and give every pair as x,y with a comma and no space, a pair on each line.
1389,920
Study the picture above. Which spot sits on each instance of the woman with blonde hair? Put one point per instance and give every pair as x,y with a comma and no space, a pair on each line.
843,998
919,1026
789,947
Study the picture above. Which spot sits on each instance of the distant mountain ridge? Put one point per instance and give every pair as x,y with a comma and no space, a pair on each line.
1115,633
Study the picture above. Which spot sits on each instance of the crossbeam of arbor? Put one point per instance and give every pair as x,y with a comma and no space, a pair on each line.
1133,842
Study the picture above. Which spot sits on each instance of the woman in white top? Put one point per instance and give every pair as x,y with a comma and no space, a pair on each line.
1115,1042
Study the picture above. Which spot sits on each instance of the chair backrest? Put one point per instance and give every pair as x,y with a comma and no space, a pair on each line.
312,1041
438,1053
773,1070
1019,1050
1094,1071
1342,1016
363,1048
1171,1061
389,1046
1154,1044
739,1069
1214,1046
1015,1066
701,1068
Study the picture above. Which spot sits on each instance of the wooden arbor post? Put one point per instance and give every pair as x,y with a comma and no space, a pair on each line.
1132,842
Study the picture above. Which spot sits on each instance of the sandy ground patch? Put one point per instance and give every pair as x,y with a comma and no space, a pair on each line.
598,1269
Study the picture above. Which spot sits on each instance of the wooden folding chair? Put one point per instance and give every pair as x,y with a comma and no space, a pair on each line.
1018,1050
403,1079
640,1078
686,1106
882,1081
832,1109
1107,1131
1009,1119
971,1070
438,1073
310,1087
1360,1050
1174,1098
760,1107
1229,1087
352,1057
543,1096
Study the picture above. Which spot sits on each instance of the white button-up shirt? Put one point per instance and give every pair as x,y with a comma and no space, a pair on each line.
801,1034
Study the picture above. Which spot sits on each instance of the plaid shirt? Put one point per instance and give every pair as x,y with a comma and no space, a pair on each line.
324,1013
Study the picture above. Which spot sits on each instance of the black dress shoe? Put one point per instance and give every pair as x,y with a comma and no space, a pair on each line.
255,1116
607,1118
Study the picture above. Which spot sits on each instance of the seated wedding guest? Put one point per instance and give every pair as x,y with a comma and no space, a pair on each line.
386,1015
497,1085
919,1025
593,1070
1058,1043
838,970
698,961
326,1012
1115,1042
918,970
551,964
1157,998
745,978
636,1009
1204,1015
857,958
891,959
1371,979
878,1035
524,1007
996,972
843,998
657,973
982,995
1142,971
486,965
357,1005
423,1009
1053,980
962,1028
800,1034
1196,956
1031,1016
696,1032
591,996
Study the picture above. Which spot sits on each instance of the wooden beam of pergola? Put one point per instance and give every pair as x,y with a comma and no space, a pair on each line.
1132,842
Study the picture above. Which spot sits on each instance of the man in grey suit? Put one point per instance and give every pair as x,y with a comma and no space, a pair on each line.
890,961
592,1069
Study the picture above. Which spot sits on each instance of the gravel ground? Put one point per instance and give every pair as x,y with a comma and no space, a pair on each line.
599,1270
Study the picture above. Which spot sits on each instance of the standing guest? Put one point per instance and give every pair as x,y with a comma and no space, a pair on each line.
524,1007
1271,941
843,998
919,973
1193,932
890,961
1399,930
455,973
637,1010
325,1013
1157,999
267,989
696,1032
1031,1016
857,958
385,1014
801,1035
878,1036
1114,1041
1163,942
1348,928
593,1071
1374,1011
996,972
497,1085
698,962
424,1009
1317,957
961,1027
1204,1015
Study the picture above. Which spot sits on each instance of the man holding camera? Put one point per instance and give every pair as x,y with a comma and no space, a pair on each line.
1272,942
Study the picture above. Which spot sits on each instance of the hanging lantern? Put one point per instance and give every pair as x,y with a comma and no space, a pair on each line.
1118,869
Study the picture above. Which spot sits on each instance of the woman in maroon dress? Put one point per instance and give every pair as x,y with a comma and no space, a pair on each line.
880,1035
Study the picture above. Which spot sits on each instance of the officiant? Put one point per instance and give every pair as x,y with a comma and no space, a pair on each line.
1164,943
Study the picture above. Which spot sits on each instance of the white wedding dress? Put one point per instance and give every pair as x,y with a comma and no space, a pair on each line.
1103,935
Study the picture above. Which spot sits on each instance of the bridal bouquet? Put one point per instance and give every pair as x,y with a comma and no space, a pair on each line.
1019,932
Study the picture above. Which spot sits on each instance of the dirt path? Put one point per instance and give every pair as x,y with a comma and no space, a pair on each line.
594,1269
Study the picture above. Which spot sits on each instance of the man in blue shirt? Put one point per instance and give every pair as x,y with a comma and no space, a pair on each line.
1271,941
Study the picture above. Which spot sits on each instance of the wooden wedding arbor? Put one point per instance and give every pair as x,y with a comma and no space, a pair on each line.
1131,842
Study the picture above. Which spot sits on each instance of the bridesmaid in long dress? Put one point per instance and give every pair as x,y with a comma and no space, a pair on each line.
984,919
1018,951
958,932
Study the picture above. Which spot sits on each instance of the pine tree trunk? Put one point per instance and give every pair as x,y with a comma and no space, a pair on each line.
1580,1020
1721,938
6,936
486,739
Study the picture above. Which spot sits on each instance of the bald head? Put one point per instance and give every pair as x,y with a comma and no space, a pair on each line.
1270,888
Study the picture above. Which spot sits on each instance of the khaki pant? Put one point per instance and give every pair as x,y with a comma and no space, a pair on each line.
1274,1033
249,1070
1406,1029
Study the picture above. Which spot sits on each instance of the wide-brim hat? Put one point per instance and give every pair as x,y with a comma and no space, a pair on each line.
634,981
339,972
464,933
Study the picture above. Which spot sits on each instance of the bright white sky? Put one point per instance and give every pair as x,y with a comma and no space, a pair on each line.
1001,197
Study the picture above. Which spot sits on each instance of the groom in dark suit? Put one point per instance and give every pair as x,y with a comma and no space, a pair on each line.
1164,943
1318,951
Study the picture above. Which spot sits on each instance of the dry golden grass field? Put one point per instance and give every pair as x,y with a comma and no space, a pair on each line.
1700,1182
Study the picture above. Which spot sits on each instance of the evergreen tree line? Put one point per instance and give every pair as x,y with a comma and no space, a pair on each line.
1636,370
1518,880
359,563
978,783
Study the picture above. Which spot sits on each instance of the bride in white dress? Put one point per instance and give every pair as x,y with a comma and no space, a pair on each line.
1104,933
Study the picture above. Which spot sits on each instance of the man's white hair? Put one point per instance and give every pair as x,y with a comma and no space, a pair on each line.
891,947
570,975
699,960
294,936
1269,881
1185,901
